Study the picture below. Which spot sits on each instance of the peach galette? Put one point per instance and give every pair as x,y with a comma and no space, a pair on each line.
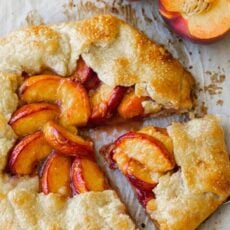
57,79
180,174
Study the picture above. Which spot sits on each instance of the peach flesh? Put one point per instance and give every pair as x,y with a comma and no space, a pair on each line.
180,25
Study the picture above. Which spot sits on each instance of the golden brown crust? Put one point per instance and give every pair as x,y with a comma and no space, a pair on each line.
8,97
176,208
99,29
117,52
21,207
202,155
7,139
186,198
133,59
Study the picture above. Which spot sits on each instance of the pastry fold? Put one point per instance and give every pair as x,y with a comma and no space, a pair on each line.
186,198
117,52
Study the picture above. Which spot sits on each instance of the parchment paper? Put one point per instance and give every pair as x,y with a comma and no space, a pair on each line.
210,64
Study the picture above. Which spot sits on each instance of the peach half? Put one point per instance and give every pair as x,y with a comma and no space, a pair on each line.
201,21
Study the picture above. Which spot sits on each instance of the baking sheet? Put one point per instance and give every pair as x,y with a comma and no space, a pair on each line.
209,64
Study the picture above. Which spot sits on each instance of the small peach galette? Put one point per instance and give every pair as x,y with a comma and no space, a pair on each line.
180,174
56,80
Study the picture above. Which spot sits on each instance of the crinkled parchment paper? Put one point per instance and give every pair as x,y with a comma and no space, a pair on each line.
210,64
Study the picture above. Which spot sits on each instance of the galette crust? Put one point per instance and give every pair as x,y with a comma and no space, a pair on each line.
186,198
22,208
8,98
116,51
7,139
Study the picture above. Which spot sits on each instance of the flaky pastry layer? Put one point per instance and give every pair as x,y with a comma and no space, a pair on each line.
118,53
22,207
187,197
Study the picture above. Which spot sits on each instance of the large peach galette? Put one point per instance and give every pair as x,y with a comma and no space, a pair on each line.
57,79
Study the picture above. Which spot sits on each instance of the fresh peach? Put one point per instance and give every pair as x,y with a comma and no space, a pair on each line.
30,118
147,150
66,142
40,88
74,101
131,106
55,175
86,75
104,101
87,176
199,21
27,153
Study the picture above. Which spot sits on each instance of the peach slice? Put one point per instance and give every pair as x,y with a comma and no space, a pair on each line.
30,118
86,75
87,176
40,88
138,174
104,101
131,106
74,101
199,21
107,152
147,150
27,153
55,175
115,98
161,135
66,142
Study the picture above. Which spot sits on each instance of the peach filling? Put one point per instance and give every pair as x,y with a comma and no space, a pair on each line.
142,157
48,143
52,108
